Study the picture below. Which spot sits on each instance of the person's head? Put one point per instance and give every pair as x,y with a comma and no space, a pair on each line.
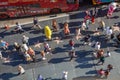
110,27
19,66
15,43
17,23
65,24
24,36
45,43
101,69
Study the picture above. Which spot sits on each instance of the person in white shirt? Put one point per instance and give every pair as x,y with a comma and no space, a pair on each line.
25,47
18,28
25,40
97,45
83,26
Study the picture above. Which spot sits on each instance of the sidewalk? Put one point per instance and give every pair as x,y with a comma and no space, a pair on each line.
24,21
83,68
114,59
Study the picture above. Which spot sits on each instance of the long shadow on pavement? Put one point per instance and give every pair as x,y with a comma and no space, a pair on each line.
58,60
7,76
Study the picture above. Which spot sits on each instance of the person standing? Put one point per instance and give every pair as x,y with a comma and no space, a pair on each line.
97,45
66,29
54,25
48,32
109,67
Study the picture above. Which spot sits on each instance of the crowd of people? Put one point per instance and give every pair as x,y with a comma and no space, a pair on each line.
28,53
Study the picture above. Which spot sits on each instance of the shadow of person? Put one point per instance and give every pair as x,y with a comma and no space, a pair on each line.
7,76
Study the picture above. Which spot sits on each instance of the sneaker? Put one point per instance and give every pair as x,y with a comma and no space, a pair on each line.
43,58
48,52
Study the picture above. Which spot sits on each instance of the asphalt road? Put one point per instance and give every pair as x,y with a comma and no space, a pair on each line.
52,68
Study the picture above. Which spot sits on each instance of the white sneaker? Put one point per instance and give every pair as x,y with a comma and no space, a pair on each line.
43,58
48,52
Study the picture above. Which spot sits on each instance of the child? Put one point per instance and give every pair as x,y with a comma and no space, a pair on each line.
109,67
101,73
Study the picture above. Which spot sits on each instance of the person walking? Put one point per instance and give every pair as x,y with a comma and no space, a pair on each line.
48,32
27,57
4,44
31,52
109,67
18,28
25,40
71,43
111,8
35,23
97,45
107,73
43,55
20,69
17,47
25,47
101,60
47,48
101,73
72,54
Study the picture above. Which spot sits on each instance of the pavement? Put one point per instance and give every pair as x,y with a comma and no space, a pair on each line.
81,68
